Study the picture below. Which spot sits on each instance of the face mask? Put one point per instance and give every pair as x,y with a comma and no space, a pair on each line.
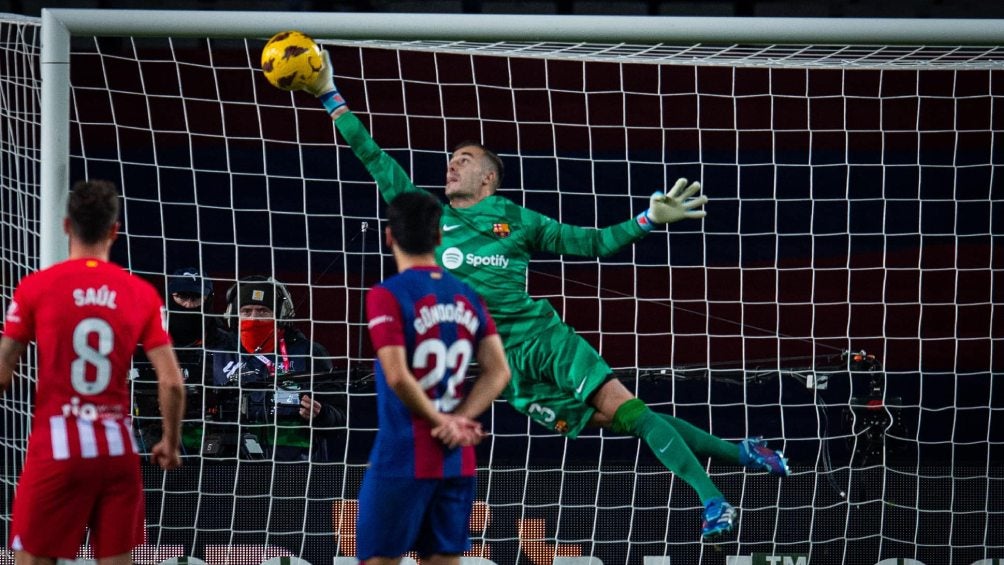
184,324
257,335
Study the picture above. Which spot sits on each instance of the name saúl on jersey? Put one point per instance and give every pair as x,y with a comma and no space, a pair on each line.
100,296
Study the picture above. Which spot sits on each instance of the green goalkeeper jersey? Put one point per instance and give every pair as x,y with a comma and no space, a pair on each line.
488,245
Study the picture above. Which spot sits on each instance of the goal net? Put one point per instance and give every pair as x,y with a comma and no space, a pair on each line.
840,299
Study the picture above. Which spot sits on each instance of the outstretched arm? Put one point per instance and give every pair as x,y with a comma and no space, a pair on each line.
391,179
678,204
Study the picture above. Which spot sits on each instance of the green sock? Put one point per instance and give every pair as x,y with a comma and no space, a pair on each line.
634,418
702,443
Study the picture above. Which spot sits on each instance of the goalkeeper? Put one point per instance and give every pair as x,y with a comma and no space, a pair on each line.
558,379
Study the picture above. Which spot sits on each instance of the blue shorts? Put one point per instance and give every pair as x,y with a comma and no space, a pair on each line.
430,516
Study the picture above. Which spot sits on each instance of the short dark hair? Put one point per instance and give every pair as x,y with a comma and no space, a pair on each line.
494,160
413,218
93,209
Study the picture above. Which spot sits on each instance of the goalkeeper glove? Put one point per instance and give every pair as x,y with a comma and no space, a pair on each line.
323,86
673,207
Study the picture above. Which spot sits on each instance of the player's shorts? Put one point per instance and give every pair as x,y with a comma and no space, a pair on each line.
398,515
553,376
56,500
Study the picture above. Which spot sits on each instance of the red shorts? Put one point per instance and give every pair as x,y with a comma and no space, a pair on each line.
56,500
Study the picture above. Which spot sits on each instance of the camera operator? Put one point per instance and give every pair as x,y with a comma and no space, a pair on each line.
263,357
195,334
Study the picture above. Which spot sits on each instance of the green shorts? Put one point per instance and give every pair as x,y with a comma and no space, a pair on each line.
553,376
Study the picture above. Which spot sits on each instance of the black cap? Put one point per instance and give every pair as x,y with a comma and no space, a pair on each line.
256,292
189,280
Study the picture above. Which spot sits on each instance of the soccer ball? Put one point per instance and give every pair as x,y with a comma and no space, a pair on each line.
291,60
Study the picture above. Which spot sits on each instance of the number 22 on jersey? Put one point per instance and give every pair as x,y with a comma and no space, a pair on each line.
434,356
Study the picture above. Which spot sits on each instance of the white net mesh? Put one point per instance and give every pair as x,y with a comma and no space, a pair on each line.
19,214
854,206
809,56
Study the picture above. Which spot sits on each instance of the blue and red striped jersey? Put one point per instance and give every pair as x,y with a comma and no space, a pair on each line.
439,321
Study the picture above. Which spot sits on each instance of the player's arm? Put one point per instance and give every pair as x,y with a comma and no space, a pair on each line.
493,379
448,428
393,360
171,395
495,375
387,335
10,353
391,179
679,204
566,239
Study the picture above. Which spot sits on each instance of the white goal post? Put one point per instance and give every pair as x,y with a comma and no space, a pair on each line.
842,298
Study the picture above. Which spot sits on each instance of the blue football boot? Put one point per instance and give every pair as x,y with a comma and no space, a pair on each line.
754,454
719,517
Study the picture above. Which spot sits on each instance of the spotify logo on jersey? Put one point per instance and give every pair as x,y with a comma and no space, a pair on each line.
453,258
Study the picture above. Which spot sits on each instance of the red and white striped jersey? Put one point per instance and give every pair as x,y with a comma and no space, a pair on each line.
87,318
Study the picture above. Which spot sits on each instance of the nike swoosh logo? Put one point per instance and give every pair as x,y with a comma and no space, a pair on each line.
665,447
582,384
449,228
